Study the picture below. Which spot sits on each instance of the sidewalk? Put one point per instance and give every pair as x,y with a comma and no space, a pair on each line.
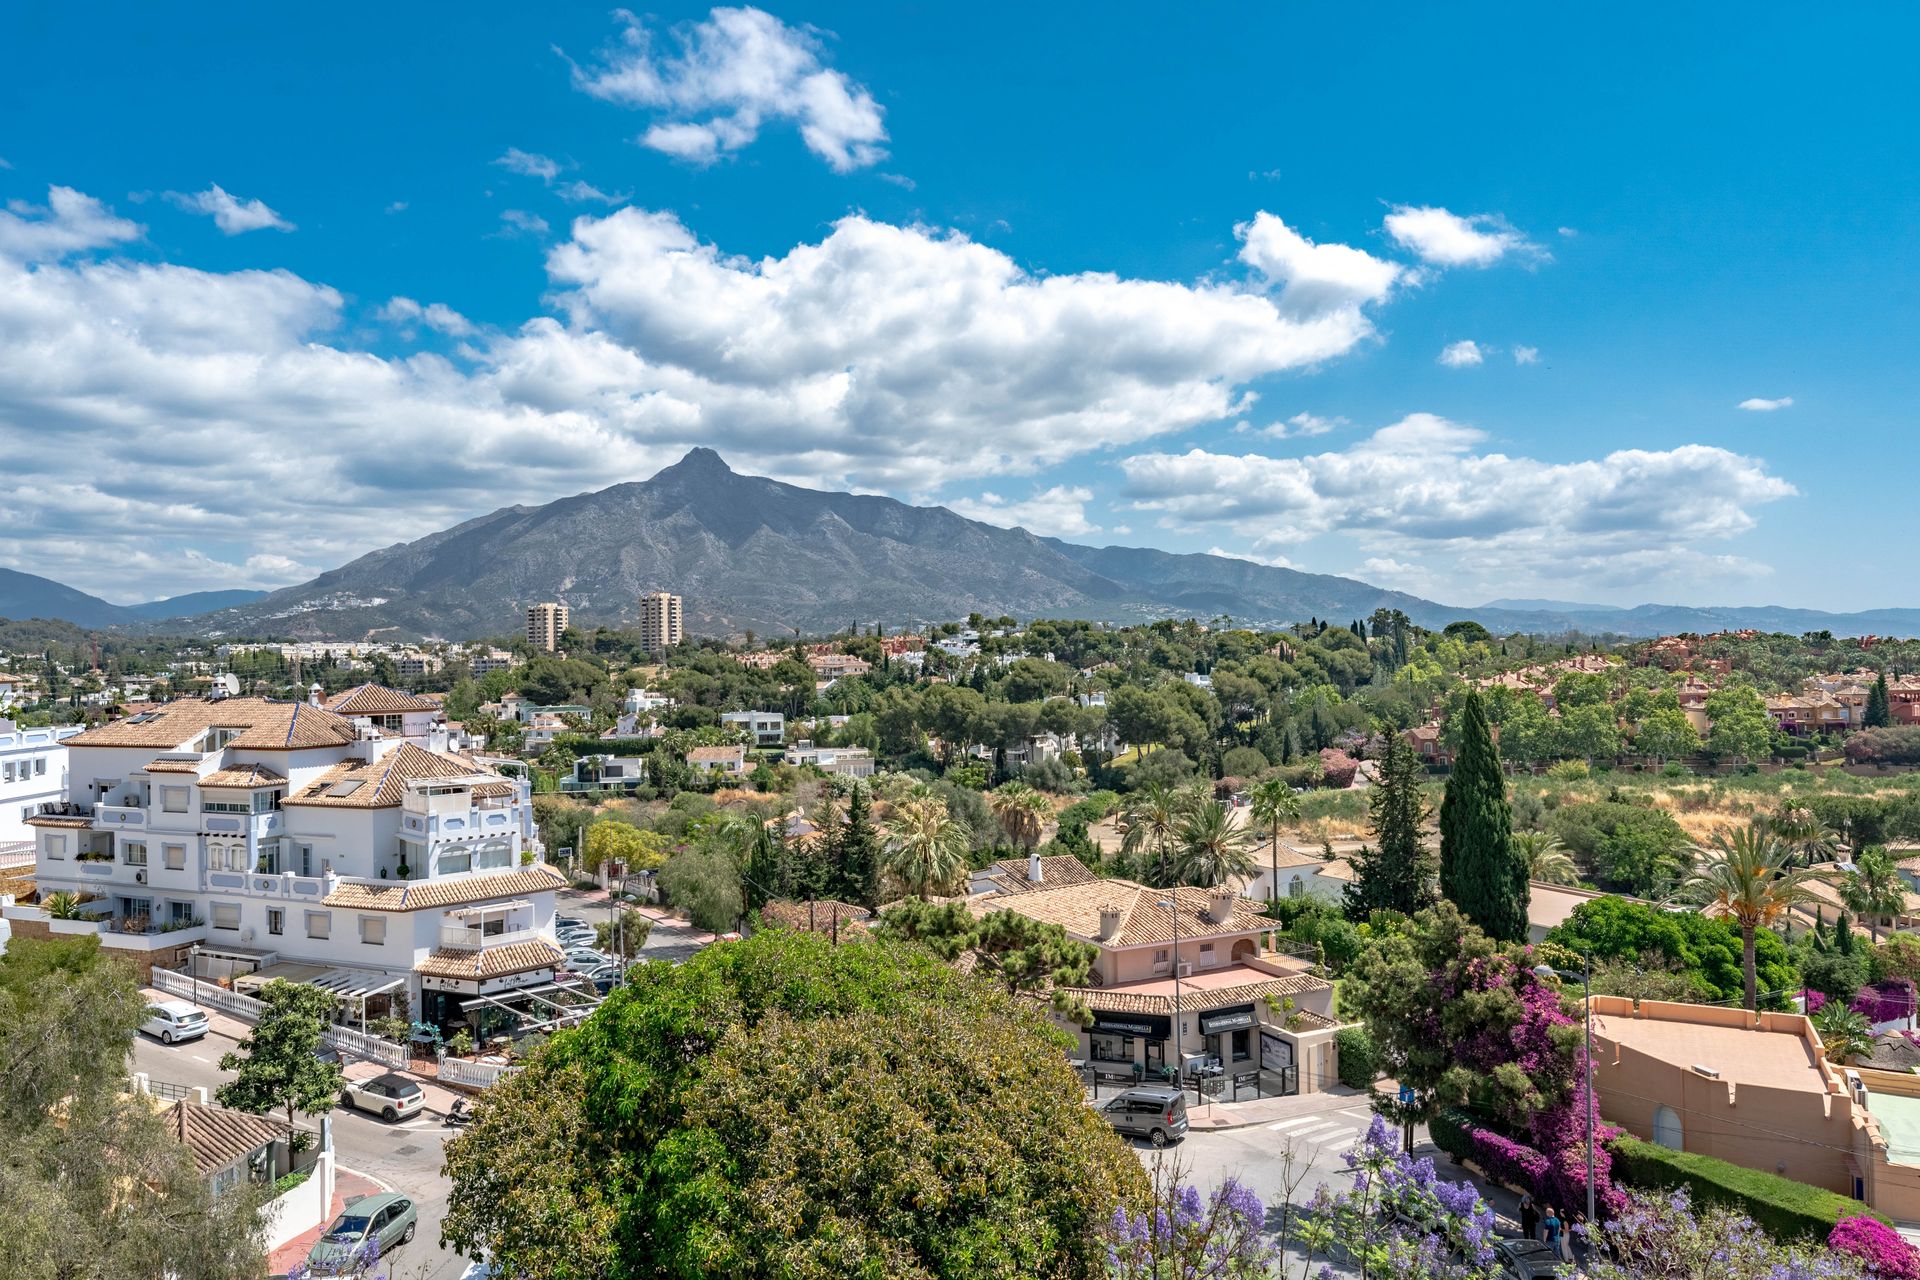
346,1185
1211,1116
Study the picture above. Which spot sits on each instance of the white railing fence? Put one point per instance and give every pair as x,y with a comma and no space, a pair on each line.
357,1044
474,1075
361,1045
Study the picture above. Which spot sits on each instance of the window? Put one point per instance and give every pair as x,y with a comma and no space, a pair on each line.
39,766
266,801
268,862
1296,888
1111,1048
492,853
320,924
136,854
225,915
456,859
1207,958
373,930
341,790
276,920
222,806
6,772
173,799
175,856
56,846
180,911
303,859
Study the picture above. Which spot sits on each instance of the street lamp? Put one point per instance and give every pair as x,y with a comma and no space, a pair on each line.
1179,1028
193,971
1586,982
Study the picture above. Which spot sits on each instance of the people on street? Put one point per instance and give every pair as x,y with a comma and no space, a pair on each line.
1550,1225
1529,1218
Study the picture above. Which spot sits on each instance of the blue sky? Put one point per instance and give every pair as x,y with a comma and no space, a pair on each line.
1119,274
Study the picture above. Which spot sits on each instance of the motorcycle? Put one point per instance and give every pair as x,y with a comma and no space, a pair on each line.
459,1115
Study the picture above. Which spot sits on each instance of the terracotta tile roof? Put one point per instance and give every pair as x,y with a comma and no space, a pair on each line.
715,754
1199,1000
419,895
383,782
173,766
265,724
1010,875
1076,908
216,1136
244,775
61,820
492,962
377,700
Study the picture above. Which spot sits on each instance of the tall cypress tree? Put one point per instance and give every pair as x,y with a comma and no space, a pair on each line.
1878,716
1396,872
1480,870
857,868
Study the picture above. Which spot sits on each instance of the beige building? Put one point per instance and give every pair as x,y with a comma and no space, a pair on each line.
1757,1091
660,623
545,625
1182,974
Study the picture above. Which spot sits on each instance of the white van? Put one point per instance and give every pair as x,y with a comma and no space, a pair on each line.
174,1020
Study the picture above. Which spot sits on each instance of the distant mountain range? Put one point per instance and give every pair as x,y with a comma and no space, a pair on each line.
25,595
748,552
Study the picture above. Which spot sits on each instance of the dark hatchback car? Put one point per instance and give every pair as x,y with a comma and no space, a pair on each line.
1155,1112
1527,1259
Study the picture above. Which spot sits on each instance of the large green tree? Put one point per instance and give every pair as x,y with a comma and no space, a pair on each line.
96,1186
1480,871
278,1063
1027,957
1878,714
785,1107
1396,872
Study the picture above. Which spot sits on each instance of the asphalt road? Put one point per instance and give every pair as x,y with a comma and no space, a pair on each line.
405,1156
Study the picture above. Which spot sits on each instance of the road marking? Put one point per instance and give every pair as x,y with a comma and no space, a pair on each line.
1323,1133
1288,1124
1359,1114
200,1057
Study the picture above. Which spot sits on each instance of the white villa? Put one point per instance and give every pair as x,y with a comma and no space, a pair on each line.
33,770
255,838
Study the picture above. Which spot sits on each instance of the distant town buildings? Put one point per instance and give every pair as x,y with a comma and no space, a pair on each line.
660,622
769,728
545,625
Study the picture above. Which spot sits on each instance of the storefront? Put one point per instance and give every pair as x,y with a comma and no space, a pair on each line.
1118,1040
1228,1034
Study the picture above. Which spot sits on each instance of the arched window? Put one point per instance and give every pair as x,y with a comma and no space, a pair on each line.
1296,888
1666,1129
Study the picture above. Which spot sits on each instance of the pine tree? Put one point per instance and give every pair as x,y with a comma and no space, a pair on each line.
856,870
1396,872
1843,935
1877,715
1480,871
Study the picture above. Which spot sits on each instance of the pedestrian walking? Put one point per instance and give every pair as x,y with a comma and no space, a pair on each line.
1566,1240
1529,1217
1551,1226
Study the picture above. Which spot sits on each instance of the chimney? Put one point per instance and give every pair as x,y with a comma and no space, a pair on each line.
1109,921
1220,903
1035,873
314,694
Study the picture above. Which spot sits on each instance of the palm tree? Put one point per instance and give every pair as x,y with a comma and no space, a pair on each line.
1749,876
1272,804
1547,859
1212,850
1148,822
1845,1034
926,846
1801,829
1022,812
1874,888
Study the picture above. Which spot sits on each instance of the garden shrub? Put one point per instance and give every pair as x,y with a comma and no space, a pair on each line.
1878,1245
1785,1209
1359,1061
1448,1129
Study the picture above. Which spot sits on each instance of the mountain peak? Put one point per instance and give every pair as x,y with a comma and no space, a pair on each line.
700,461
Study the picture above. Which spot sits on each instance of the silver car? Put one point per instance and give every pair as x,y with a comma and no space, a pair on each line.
1157,1113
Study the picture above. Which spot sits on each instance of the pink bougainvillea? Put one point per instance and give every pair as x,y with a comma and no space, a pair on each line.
1815,1001
1878,1246
1885,1001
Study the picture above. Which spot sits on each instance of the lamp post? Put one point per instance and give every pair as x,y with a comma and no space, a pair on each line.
193,971
1586,983
1179,1028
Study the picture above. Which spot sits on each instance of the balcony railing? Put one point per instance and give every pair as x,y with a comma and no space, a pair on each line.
467,938
120,816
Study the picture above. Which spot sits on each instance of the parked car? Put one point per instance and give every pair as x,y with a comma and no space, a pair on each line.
172,1021
386,1220
1154,1112
565,921
1527,1259
576,942
583,959
389,1096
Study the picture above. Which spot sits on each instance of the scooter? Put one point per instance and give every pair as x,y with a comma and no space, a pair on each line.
459,1115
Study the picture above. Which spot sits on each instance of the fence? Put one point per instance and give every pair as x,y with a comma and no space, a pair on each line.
474,1075
357,1044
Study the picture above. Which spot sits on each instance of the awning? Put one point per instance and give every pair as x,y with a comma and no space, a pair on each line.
491,907
356,984
1146,1026
1237,1018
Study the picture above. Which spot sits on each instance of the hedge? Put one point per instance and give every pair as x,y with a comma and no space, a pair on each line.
1783,1208
1359,1063
1448,1130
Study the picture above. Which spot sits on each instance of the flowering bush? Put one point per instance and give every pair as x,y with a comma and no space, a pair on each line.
1815,999
1511,1162
1885,1001
1657,1236
1183,1236
1877,1245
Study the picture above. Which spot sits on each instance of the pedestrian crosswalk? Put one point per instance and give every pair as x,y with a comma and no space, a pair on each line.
1323,1129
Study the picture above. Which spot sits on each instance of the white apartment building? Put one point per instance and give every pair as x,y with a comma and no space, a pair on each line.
285,839
660,621
847,762
33,771
14,688
769,728
545,625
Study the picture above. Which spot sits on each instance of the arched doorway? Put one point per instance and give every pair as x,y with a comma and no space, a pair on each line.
1666,1129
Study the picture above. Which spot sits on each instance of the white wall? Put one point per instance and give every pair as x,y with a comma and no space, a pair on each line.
303,1208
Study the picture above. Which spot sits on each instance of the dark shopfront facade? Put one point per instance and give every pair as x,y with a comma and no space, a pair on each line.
1232,1036
1267,1058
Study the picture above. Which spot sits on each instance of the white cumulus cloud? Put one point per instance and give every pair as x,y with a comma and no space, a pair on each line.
70,221
529,164
231,214
1059,512
731,74
1758,405
1462,354
1446,239
1526,355
438,316
1313,278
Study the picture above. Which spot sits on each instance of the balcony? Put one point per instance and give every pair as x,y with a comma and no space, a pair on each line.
120,817
466,938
